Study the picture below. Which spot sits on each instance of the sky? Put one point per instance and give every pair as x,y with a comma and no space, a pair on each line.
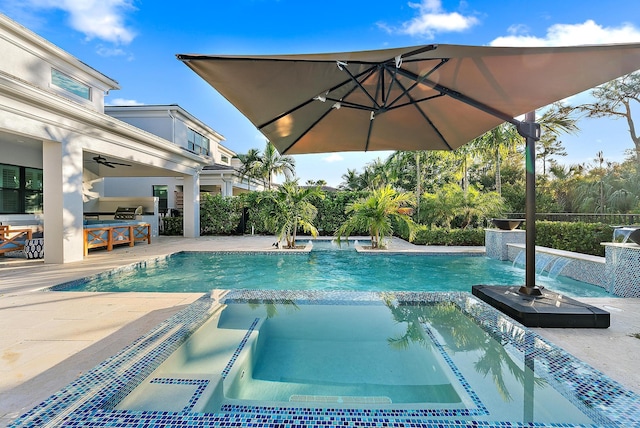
135,42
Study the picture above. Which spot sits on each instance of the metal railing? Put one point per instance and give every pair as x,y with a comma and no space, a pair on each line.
612,219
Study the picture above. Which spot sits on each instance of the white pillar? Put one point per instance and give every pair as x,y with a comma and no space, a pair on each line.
62,189
227,188
191,208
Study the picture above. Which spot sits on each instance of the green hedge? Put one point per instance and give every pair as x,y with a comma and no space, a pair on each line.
451,237
172,225
331,211
582,238
219,215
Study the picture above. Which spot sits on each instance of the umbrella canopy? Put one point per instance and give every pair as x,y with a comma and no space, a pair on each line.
432,97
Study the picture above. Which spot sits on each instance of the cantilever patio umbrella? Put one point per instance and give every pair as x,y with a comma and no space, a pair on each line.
431,97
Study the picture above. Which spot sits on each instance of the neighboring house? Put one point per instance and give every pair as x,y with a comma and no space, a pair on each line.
175,124
54,135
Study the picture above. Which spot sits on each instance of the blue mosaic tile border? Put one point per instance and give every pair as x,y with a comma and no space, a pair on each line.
239,349
90,400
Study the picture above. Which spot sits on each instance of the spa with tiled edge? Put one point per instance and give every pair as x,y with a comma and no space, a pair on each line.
479,358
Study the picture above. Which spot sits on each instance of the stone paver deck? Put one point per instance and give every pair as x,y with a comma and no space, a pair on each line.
47,339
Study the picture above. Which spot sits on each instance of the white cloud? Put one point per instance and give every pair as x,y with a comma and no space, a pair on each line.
96,19
432,19
108,51
587,33
333,157
124,102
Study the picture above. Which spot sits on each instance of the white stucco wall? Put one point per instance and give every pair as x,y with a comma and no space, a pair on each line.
142,187
31,57
29,155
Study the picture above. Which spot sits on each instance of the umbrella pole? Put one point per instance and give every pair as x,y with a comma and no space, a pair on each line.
530,216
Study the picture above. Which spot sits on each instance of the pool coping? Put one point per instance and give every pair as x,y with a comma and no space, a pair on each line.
107,383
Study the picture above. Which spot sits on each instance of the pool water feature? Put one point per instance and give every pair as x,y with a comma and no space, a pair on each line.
455,361
328,266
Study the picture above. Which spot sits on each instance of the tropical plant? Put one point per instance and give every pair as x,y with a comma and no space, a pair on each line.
250,165
377,213
495,145
453,203
271,163
290,209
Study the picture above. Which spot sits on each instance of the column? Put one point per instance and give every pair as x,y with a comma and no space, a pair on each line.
62,188
191,209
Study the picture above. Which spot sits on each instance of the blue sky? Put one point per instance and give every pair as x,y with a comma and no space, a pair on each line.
135,43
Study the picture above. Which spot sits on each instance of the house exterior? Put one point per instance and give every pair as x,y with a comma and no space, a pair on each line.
175,124
53,131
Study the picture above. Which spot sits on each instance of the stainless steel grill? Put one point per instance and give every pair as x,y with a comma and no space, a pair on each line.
127,213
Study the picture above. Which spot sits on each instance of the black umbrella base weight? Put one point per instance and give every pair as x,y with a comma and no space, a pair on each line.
551,310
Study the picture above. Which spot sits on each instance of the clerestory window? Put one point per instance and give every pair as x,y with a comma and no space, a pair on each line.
70,84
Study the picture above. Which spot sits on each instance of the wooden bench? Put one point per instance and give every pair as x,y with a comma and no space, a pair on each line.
110,234
13,239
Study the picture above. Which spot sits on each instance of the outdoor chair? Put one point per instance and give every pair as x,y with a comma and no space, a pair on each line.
13,239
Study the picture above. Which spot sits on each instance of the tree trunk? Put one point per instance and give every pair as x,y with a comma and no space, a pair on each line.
295,228
498,176
632,129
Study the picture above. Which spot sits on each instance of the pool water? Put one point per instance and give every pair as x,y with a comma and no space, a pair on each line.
327,267
342,351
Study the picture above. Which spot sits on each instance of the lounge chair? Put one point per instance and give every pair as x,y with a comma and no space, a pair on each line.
13,239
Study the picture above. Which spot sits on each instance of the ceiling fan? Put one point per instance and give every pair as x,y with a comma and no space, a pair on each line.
103,161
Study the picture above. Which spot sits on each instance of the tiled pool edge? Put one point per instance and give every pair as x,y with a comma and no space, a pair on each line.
107,382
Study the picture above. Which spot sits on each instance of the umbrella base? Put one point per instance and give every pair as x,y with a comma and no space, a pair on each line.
551,310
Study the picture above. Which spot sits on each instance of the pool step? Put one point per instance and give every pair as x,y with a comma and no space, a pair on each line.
340,399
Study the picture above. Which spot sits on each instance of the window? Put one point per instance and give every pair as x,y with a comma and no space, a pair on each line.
224,159
197,143
70,84
20,189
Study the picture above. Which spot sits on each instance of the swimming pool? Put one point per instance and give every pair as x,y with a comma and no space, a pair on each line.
437,359
327,267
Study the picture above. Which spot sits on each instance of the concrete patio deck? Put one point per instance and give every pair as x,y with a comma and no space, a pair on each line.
50,338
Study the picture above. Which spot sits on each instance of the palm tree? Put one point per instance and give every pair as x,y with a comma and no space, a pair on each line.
376,214
451,202
271,163
350,180
291,209
497,144
249,168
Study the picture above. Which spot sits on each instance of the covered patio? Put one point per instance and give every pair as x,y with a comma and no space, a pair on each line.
53,129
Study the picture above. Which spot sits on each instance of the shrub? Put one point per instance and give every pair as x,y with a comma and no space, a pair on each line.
331,211
441,236
219,215
172,226
578,237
